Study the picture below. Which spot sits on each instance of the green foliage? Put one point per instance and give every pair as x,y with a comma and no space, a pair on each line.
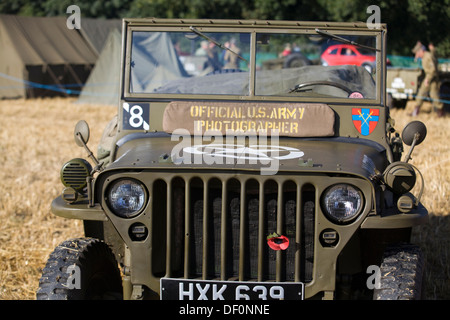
407,20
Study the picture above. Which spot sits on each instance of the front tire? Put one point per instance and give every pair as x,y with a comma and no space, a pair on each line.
80,269
402,274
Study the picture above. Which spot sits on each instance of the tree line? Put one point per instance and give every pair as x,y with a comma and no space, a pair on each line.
408,20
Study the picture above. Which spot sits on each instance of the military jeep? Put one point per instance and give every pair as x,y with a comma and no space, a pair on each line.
223,178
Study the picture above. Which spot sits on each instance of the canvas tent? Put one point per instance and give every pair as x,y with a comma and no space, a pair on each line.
146,75
96,31
102,85
40,56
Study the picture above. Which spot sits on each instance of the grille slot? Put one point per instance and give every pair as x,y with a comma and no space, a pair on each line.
216,228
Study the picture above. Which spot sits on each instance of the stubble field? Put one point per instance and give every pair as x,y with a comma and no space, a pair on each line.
36,139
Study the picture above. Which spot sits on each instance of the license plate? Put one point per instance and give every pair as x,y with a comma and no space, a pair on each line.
187,289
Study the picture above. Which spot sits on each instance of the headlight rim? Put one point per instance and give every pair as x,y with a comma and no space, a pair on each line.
108,200
342,221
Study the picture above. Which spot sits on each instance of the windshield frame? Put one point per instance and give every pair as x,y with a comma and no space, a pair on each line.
253,28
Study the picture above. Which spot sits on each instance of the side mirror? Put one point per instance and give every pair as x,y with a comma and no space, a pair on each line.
81,133
411,130
413,135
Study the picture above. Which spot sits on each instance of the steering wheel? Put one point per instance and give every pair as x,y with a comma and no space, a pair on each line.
316,83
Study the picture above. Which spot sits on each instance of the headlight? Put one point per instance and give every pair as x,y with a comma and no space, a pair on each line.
126,197
342,202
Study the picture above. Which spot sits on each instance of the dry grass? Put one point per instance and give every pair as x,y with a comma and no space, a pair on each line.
36,138
433,159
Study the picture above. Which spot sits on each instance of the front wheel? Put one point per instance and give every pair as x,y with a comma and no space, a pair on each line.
80,269
402,274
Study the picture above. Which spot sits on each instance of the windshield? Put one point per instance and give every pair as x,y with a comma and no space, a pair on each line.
293,65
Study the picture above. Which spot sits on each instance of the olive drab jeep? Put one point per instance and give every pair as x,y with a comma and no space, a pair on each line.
228,174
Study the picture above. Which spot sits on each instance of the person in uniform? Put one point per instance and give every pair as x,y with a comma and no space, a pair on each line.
231,58
430,84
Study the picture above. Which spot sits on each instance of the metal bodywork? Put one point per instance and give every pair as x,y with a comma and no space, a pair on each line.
403,84
210,221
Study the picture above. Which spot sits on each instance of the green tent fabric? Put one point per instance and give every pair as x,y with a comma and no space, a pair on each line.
96,31
41,56
154,61
102,86
278,82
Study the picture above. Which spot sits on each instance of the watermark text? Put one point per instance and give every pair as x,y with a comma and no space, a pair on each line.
373,22
74,20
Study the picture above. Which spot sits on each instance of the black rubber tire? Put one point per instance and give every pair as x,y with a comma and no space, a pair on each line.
296,60
97,266
402,274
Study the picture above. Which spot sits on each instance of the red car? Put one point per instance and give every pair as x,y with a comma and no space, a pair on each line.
341,54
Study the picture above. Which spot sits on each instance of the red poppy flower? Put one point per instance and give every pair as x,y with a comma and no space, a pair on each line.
277,242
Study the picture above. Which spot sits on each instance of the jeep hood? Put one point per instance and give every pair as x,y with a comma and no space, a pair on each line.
332,155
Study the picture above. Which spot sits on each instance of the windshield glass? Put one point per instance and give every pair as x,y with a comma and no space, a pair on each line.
180,62
310,65
220,63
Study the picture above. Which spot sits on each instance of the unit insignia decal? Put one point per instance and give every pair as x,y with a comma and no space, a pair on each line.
365,120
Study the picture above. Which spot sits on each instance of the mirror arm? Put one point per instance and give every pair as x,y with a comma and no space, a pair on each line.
90,154
413,144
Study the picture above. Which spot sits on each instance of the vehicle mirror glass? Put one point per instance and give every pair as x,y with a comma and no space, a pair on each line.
410,131
81,133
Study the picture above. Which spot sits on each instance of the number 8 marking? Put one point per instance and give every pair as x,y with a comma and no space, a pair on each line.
136,115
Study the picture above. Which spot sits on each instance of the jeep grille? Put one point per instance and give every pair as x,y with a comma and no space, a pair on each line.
216,227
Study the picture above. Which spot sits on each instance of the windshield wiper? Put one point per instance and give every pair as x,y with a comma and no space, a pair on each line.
221,46
333,36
